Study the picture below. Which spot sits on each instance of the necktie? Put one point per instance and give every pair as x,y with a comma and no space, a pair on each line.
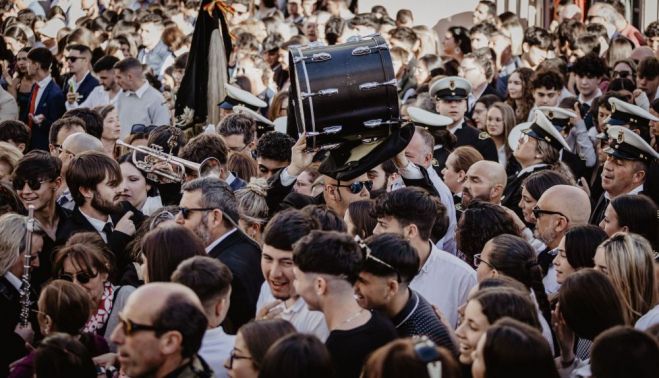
107,229
33,103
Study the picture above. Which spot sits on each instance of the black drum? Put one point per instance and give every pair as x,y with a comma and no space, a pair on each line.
342,92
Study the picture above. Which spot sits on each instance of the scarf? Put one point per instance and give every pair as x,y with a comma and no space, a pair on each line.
99,319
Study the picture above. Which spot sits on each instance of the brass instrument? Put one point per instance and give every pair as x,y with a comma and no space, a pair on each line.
26,303
154,154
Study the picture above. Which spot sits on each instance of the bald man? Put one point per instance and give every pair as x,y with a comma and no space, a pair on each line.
560,208
73,145
160,331
485,180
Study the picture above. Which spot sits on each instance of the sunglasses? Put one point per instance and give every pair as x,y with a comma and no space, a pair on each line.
478,260
142,129
74,58
621,74
369,256
129,327
80,277
537,212
357,186
186,211
33,183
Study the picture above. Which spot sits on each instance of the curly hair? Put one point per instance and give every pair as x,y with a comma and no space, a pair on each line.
275,146
480,222
523,108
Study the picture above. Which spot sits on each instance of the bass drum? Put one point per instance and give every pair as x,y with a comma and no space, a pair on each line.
342,92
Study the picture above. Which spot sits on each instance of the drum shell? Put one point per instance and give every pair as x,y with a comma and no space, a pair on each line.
351,106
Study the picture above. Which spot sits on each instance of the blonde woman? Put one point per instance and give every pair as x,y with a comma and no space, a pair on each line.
253,208
499,121
627,260
9,157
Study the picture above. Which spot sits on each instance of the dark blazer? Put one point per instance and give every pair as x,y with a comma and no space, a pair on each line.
44,272
597,214
471,136
513,192
575,163
85,88
237,183
117,240
51,105
439,159
243,257
12,346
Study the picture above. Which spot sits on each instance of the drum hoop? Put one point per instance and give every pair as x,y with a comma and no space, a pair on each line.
310,99
384,72
301,121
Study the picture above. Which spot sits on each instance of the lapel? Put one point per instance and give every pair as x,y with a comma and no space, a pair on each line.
225,244
43,101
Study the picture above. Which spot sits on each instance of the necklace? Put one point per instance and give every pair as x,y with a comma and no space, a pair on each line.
354,316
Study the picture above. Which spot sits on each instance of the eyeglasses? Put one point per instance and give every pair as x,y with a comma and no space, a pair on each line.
621,74
537,212
74,58
130,327
233,356
357,186
185,211
139,128
81,277
33,183
478,260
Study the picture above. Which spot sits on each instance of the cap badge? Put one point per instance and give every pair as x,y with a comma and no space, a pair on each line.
451,85
550,114
621,137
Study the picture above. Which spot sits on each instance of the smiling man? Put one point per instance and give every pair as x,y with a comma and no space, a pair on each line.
278,298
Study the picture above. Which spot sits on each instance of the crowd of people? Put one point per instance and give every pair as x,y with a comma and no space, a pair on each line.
514,234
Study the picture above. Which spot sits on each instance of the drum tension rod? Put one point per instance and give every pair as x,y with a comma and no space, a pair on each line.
373,85
319,57
322,93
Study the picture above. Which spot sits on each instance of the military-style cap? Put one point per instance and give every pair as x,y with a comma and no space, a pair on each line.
263,125
542,129
516,133
450,88
626,144
422,117
352,159
236,96
559,117
624,113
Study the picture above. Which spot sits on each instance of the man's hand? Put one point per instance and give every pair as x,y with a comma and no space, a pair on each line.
126,224
37,119
300,157
272,310
401,161
72,97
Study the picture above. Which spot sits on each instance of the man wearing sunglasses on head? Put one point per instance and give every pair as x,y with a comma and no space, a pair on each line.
560,208
94,180
36,180
160,331
208,208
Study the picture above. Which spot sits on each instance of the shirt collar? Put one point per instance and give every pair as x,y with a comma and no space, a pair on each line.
219,240
83,79
140,91
97,224
44,83
598,93
530,168
13,280
458,127
431,257
230,178
407,311
636,190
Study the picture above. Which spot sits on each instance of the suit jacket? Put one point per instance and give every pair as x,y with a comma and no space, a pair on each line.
597,214
51,105
575,163
44,272
513,192
439,159
84,89
12,346
116,241
471,136
243,257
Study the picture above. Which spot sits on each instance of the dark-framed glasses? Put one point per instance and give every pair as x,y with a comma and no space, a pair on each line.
186,211
81,277
129,327
538,212
478,260
73,58
357,186
34,183
234,356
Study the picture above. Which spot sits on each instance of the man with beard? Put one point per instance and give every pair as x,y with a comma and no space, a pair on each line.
208,208
105,94
94,180
278,298
560,208
485,180
384,177
36,180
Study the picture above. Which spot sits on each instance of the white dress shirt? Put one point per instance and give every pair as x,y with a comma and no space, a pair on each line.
445,281
98,224
215,349
14,281
42,87
299,315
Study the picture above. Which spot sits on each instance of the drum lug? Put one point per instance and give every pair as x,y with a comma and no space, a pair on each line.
373,85
362,50
319,57
322,93
379,122
326,131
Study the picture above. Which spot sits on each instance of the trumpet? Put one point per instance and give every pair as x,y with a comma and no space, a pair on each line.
153,156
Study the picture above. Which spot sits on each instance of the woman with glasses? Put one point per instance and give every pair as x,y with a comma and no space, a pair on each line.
111,129
512,256
628,261
576,250
252,342
483,309
90,267
63,307
137,189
